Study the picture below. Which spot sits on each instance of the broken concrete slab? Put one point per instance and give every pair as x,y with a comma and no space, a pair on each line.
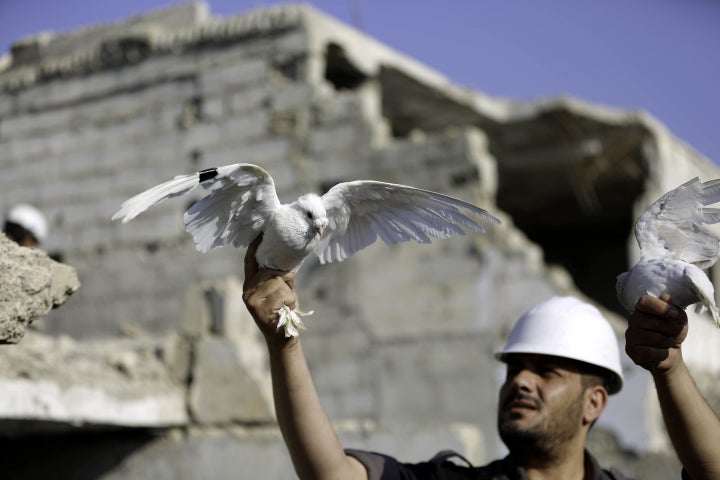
33,284
48,381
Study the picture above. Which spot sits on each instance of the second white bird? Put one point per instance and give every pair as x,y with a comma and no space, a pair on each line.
675,247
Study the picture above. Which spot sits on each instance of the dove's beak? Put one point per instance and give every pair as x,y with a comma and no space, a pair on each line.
319,230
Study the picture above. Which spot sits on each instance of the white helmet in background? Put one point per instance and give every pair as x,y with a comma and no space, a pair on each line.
566,327
30,218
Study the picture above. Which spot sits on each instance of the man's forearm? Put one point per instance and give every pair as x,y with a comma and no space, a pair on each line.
693,426
314,447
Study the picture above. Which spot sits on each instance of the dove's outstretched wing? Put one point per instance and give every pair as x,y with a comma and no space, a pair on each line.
180,185
239,200
673,226
360,211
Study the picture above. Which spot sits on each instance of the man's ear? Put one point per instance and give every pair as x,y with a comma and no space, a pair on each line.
596,398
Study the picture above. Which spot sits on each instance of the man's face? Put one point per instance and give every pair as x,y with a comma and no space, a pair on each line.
28,241
540,403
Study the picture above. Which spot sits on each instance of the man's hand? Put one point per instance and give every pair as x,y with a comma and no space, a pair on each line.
265,291
656,329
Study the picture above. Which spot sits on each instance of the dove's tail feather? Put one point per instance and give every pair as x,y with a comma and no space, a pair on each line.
179,185
706,304
715,314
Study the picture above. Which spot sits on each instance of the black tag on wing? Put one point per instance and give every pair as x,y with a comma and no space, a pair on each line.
207,174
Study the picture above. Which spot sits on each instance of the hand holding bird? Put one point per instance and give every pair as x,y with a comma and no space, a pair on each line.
675,247
266,292
241,202
656,330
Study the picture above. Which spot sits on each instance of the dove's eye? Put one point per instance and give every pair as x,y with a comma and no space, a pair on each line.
309,215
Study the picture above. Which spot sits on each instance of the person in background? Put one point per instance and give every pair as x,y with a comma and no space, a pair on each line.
25,225
563,363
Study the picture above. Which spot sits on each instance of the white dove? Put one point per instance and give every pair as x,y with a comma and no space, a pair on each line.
241,202
675,248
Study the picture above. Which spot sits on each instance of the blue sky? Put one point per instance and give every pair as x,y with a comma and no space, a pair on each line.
661,56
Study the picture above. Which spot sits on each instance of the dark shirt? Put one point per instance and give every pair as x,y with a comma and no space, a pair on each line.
383,467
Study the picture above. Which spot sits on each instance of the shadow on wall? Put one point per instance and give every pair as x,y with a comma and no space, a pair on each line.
82,456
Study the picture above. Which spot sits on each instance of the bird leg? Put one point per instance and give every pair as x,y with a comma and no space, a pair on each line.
290,321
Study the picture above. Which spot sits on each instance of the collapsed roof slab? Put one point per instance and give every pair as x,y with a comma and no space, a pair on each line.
55,384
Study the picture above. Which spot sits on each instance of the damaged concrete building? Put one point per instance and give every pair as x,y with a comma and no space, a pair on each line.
154,368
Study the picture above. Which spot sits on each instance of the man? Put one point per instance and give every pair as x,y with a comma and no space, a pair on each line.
563,362
25,225
656,331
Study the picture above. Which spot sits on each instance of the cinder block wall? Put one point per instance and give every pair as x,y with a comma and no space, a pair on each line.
78,146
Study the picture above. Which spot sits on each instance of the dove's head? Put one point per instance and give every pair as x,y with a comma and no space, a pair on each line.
312,210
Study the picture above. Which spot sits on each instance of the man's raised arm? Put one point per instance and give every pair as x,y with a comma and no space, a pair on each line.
656,330
314,446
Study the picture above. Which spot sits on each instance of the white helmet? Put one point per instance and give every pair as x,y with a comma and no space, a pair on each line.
566,327
30,218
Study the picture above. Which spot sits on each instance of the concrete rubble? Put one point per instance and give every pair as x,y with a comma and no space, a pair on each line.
141,381
32,285
56,383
